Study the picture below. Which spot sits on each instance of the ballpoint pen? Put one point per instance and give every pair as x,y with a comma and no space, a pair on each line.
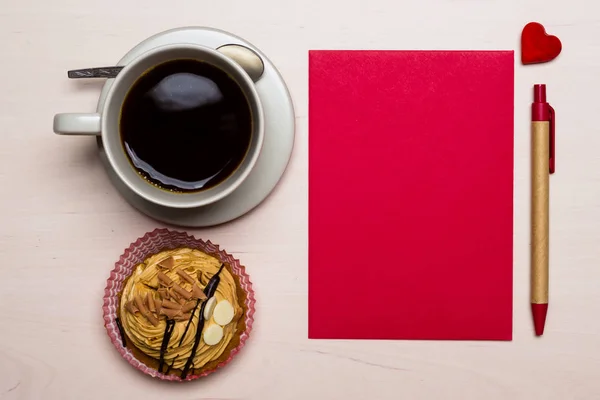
543,162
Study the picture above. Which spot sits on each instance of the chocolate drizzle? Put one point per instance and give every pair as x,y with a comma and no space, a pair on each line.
209,291
189,321
171,365
165,342
121,330
213,283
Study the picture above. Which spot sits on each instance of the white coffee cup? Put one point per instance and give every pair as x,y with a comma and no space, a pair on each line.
106,125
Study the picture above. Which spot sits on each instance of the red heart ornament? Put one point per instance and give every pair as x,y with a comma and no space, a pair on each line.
537,46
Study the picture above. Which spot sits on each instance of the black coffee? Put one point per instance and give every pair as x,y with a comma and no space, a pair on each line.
186,125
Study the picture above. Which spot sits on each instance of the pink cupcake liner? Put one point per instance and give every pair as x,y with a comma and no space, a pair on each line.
152,243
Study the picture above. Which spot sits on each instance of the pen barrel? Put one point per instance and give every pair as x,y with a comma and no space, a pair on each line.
540,211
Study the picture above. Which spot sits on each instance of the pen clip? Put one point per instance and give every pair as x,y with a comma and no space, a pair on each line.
552,160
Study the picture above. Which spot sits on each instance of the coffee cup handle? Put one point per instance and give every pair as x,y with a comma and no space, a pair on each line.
77,124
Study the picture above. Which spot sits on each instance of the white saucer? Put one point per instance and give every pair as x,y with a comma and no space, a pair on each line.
277,145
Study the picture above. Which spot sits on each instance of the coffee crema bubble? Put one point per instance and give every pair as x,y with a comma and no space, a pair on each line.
185,125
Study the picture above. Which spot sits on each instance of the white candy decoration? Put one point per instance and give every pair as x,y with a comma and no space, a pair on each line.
209,308
223,313
213,334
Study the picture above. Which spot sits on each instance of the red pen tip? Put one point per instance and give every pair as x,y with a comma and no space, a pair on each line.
539,93
539,312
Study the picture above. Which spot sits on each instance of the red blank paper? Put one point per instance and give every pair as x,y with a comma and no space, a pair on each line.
410,194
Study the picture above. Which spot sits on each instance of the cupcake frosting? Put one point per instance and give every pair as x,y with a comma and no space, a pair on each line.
171,286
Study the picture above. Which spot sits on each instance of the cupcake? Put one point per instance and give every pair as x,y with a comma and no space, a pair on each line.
180,312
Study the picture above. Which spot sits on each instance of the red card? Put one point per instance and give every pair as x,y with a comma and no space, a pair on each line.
411,194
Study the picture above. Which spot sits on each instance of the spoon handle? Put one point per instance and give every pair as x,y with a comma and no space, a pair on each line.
102,72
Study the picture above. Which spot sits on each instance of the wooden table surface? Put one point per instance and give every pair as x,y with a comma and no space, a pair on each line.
62,225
